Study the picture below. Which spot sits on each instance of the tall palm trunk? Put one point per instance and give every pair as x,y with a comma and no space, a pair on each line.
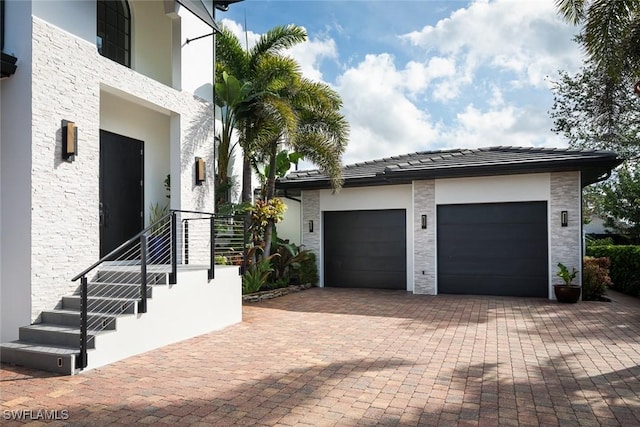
269,194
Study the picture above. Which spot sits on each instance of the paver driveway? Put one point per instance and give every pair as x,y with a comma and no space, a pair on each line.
357,357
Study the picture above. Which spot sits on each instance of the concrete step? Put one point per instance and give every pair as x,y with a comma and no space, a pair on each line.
116,290
72,318
56,335
102,304
156,275
59,359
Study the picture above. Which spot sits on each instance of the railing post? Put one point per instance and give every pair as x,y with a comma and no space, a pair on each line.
212,242
142,304
186,241
82,362
174,250
245,242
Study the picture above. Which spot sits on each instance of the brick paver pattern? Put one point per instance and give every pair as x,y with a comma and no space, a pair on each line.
327,357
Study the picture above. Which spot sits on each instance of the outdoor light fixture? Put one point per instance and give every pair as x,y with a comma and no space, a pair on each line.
200,173
310,226
564,218
423,222
69,140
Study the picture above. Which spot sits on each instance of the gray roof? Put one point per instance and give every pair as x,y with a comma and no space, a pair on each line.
461,163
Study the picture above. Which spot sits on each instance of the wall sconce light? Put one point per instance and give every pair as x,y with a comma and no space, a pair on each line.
69,140
200,171
310,226
423,222
564,218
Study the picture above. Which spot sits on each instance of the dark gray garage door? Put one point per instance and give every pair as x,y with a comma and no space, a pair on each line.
493,249
365,249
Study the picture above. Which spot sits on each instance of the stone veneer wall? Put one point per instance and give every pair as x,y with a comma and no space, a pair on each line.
311,211
565,242
68,77
424,240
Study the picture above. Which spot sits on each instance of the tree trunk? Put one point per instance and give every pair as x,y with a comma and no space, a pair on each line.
269,194
246,179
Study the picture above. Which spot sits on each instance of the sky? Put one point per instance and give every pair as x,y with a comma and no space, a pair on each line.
425,74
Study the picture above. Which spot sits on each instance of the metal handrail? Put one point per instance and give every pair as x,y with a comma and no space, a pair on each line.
124,250
121,247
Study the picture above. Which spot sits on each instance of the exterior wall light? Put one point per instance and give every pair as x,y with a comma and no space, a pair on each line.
423,222
69,140
564,218
200,171
310,226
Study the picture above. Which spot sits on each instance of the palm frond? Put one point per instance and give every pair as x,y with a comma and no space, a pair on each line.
277,39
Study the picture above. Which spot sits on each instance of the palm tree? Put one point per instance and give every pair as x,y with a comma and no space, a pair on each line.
285,109
610,33
321,134
231,95
268,72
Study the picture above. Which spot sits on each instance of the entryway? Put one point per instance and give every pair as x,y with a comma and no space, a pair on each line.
121,189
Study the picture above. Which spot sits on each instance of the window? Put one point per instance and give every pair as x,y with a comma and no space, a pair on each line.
114,31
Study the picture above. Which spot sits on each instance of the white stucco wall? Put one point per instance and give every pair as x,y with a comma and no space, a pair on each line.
197,56
15,175
65,14
290,226
151,48
493,189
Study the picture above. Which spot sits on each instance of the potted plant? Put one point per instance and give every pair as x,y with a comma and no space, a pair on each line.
568,292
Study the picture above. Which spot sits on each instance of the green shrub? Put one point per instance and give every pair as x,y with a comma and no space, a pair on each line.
256,276
606,241
220,260
625,266
308,271
285,265
595,278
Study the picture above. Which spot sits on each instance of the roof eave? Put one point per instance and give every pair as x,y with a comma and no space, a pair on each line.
593,170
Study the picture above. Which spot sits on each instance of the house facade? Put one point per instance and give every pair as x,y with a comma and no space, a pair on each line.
115,73
492,221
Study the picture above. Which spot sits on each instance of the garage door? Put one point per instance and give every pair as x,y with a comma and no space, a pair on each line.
365,249
493,249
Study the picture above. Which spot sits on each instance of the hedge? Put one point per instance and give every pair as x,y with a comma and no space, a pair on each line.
625,266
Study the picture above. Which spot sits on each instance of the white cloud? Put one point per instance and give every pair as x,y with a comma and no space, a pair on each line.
310,55
476,78
384,122
505,125
524,37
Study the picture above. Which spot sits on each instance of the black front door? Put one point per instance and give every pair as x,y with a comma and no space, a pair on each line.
121,190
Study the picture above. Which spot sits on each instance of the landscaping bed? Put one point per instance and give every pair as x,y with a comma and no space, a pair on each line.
274,293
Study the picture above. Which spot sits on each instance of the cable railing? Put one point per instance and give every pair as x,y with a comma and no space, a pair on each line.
123,278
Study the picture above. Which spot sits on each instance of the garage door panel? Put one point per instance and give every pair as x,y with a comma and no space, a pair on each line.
475,266
514,285
488,213
493,249
365,249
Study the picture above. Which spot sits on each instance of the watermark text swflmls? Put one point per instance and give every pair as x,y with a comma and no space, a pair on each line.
36,415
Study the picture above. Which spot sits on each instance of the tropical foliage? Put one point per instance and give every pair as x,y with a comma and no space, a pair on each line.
598,109
280,117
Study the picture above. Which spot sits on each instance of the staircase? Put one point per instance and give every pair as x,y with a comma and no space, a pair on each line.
54,343
171,260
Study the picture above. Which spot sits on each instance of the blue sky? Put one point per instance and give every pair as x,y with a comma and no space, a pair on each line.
428,75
